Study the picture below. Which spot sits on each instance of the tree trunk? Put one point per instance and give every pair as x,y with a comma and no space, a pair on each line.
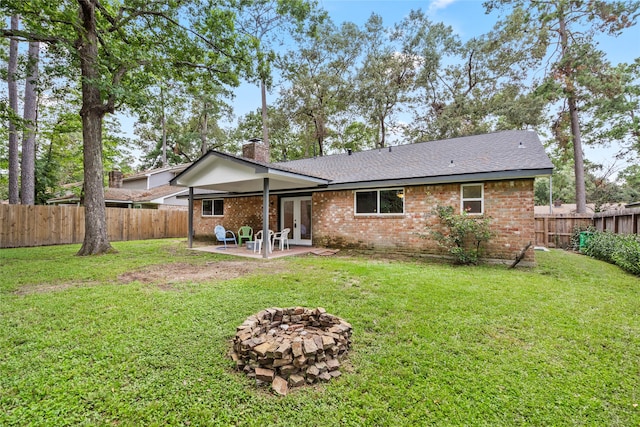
163,122
204,129
92,112
14,159
265,127
28,181
578,161
319,124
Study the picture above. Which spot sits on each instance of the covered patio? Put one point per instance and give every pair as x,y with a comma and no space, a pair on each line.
232,175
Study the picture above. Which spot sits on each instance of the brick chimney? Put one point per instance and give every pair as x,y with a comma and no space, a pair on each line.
115,179
255,149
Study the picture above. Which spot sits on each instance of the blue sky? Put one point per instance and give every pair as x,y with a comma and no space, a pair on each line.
466,17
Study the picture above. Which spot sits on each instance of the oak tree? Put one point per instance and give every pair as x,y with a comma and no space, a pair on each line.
112,47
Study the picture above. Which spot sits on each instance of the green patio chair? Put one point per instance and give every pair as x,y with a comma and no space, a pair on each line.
245,233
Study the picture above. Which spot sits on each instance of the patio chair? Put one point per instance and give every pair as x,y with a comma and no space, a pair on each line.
222,235
245,233
282,237
257,247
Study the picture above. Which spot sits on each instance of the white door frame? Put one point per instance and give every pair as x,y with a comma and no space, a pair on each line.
294,236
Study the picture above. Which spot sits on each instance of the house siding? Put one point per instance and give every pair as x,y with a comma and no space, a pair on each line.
510,204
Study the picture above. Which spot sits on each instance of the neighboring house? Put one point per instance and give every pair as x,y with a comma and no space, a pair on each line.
145,190
570,208
379,199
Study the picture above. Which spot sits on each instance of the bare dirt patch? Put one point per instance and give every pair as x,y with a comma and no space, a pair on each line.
44,288
166,275
183,272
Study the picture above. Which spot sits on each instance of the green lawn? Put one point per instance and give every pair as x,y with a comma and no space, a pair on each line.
432,344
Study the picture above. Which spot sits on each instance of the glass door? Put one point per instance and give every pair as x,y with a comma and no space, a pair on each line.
296,215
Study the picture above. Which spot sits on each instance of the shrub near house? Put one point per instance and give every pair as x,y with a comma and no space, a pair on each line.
464,235
620,249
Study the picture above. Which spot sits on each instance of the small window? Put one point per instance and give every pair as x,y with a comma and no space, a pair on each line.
213,207
472,198
366,202
380,202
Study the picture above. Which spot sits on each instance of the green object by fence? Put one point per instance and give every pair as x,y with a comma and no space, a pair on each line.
584,239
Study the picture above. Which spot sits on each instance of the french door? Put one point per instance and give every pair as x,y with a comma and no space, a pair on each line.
296,215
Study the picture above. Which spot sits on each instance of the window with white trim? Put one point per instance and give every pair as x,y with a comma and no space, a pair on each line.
472,198
380,202
213,207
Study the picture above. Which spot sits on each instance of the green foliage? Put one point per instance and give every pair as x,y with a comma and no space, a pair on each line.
482,89
616,117
110,341
622,250
629,178
464,234
320,72
283,141
388,72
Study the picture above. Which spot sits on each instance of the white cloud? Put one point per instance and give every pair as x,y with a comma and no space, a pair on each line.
439,4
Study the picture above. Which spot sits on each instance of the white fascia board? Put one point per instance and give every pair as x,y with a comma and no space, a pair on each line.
161,199
215,172
295,177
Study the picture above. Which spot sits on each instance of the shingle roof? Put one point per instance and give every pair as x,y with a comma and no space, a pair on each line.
478,154
127,195
143,174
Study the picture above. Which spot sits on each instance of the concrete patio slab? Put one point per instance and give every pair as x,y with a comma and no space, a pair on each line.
242,251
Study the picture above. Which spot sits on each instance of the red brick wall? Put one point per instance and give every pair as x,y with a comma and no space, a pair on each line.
508,203
511,205
238,211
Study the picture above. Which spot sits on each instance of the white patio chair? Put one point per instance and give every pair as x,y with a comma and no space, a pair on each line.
257,246
282,238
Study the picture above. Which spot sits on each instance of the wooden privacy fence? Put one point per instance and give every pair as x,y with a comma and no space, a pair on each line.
22,225
624,221
556,230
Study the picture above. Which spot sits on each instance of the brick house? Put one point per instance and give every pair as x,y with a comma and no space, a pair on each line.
380,199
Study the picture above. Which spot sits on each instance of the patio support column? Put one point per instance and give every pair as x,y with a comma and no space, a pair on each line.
265,218
190,231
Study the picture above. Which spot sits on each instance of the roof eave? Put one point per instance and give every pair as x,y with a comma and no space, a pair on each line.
431,180
446,179
253,171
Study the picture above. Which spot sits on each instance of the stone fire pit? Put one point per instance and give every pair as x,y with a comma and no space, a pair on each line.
290,347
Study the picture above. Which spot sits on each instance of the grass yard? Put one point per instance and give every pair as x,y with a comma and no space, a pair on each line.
132,339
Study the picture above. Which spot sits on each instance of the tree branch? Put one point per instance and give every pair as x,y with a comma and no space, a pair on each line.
32,37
